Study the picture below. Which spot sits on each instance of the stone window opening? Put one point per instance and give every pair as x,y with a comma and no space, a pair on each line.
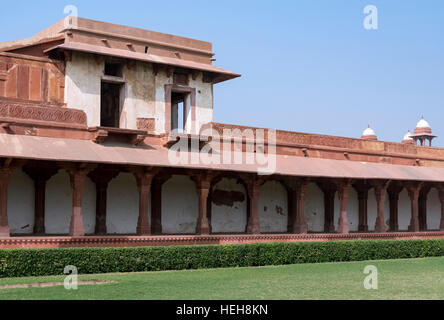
179,111
180,99
113,69
110,104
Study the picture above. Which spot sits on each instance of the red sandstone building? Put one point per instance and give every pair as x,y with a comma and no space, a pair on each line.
88,116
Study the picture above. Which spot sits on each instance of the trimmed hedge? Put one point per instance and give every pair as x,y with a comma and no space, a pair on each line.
42,262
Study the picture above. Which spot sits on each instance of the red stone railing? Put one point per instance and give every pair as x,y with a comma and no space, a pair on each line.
297,139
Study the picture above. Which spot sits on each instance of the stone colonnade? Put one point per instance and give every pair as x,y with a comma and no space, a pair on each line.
150,180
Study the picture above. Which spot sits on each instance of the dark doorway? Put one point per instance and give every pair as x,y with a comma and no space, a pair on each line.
110,105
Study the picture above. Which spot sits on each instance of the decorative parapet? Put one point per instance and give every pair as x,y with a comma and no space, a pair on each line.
12,110
362,150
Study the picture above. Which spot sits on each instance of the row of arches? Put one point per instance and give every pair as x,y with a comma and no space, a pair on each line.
180,206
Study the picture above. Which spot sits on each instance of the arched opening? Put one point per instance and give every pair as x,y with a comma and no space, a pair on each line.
314,208
404,210
122,205
180,206
21,203
273,208
433,216
58,204
229,203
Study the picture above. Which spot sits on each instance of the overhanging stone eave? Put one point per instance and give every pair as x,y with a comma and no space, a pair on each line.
86,151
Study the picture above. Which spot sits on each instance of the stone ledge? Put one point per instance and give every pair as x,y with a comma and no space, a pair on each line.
135,241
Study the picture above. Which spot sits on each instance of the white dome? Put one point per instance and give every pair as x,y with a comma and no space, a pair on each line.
422,124
368,132
408,136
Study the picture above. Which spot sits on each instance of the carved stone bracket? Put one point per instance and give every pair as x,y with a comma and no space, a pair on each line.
134,137
100,136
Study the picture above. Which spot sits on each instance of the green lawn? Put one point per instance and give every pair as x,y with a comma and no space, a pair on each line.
398,279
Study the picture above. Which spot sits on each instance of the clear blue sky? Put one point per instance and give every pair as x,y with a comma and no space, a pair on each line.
307,65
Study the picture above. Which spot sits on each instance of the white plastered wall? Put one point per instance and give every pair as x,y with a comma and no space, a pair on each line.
122,205
143,94
58,204
82,86
314,208
229,218
21,203
180,206
204,101
139,95
273,208
404,211
433,210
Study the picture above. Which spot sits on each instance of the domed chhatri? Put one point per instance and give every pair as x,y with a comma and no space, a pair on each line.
369,134
408,138
423,133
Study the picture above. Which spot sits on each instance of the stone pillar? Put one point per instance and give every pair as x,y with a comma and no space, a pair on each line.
203,184
40,173
144,178
380,194
156,201
329,190
203,224
393,191
39,205
209,208
292,208
298,193
253,189
77,177
413,189
102,178
343,193
363,207
362,188
422,207
441,199
329,211
101,201
5,174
